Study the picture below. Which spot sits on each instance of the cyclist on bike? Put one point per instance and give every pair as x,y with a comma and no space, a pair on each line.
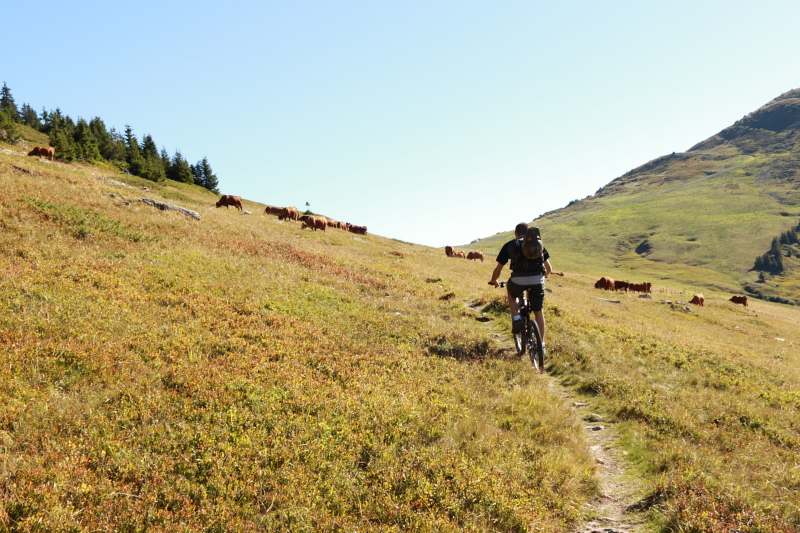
526,273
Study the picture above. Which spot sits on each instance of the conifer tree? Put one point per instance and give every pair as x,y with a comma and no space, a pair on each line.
85,142
7,104
204,176
29,117
179,169
149,149
8,128
62,141
165,160
133,155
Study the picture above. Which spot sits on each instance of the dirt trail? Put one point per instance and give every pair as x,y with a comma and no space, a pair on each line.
613,510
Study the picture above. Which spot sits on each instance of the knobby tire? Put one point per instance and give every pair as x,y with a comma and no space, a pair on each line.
519,342
535,347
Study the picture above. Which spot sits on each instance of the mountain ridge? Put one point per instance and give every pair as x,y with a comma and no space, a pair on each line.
715,207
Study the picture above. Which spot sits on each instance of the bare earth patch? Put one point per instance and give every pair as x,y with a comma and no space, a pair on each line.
612,510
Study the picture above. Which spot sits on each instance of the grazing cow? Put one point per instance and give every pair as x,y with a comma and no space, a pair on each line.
557,273
739,300
621,285
228,200
448,251
605,283
314,222
460,255
43,151
272,210
360,230
331,223
637,287
475,255
698,299
288,213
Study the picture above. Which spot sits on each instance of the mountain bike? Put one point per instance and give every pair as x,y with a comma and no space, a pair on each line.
529,339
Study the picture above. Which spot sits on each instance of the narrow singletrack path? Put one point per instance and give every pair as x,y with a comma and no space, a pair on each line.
614,509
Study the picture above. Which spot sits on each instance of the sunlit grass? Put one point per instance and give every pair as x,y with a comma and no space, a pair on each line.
236,373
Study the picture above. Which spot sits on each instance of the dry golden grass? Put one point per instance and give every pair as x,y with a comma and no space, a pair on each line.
240,374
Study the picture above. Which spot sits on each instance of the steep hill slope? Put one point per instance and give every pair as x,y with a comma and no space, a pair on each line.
236,373
698,218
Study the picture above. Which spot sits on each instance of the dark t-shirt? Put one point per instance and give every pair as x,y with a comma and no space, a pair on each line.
511,249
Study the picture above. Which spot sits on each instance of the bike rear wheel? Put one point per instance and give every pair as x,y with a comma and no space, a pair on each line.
535,346
519,342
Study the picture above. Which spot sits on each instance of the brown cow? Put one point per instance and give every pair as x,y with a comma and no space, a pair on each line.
605,283
448,251
228,199
637,287
739,300
621,285
288,213
272,210
314,222
698,299
460,255
475,255
43,151
360,230
331,223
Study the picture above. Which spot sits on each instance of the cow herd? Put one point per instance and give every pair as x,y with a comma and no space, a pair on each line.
608,284
449,252
314,222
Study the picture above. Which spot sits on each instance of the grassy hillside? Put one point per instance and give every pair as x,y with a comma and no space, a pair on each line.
240,374
698,218
237,373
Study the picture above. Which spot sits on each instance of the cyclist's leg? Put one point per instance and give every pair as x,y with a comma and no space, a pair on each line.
539,317
514,293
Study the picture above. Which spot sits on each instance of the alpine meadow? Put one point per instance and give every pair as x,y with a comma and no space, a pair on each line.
216,370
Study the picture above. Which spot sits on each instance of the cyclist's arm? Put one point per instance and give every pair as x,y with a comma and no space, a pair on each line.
547,268
496,274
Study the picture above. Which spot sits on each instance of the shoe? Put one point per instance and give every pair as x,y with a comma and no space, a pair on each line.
517,326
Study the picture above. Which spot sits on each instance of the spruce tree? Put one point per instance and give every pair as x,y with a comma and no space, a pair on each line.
165,160
29,117
7,104
8,128
179,169
85,142
205,177
62,141
149,149
133,155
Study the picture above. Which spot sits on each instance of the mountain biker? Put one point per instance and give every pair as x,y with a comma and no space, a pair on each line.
526,274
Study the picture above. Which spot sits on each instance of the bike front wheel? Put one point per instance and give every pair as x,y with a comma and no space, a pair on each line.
535,346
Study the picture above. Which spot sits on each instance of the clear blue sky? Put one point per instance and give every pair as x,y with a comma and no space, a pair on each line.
433,122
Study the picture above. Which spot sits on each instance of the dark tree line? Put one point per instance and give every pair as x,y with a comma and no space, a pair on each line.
772,261
92,142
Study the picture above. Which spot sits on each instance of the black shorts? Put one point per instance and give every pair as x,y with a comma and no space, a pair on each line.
535,293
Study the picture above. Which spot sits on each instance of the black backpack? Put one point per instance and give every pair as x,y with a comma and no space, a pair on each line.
527,255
